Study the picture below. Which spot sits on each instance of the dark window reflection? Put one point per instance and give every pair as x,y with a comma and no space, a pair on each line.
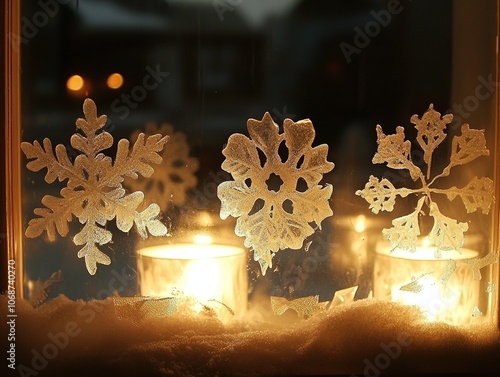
207,70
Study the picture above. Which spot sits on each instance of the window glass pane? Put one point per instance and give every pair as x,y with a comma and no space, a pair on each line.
198,70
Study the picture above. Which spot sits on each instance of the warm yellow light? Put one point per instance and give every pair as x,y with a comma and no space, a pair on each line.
202,279
443,288
75,83
428,253
360,224
202,239
185,251
204,219
115,81
435,298
426,242
206,272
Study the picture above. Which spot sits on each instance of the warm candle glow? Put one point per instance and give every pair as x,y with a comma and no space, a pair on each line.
205,272
360,224
426,242
202,279
443,288
202,239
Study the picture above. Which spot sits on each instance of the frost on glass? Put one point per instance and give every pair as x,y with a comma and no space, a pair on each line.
275,201
94,193
39,289
169,182
447,234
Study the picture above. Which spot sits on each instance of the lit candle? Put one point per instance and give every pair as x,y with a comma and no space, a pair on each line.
208,273
443,288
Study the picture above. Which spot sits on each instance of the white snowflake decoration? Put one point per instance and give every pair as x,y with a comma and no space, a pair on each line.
94,193
283,220
446,234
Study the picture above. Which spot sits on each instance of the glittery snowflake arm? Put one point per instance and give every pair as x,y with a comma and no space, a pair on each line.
381,194
465,148
94,193
299,137
395,151
405,230
58,165
265,135
129,163
242,158
430,132
283,220
477,263
478,192
446,233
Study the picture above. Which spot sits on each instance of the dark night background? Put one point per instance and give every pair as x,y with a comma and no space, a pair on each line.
224,67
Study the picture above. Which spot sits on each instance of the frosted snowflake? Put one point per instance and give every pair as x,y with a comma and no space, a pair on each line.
175,176
275,201
305,307
447,234
94,193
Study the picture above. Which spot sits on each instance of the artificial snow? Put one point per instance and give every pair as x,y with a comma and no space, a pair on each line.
126,337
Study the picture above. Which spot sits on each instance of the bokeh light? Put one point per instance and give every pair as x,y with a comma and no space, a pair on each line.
75,83
115,81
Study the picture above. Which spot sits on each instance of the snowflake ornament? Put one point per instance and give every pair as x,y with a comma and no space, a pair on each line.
169,182
272,219
94,193
446,234
305,307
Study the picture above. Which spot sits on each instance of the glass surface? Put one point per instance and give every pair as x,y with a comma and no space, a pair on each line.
207,69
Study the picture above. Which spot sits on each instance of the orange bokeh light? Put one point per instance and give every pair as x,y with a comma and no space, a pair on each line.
115,80
75,83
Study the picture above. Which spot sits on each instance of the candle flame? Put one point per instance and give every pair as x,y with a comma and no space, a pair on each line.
202,280
360,224
426,242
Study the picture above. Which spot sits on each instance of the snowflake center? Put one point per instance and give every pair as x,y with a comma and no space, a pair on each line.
274,182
